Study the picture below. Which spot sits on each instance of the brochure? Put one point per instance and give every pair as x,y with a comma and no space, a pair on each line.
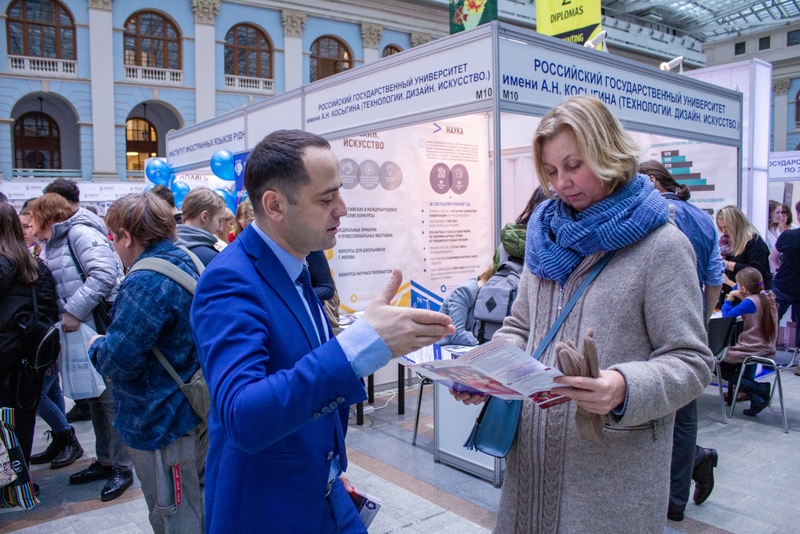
497,368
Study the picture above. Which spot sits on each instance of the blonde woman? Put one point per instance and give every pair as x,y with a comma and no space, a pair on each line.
244,216
744,248
652,354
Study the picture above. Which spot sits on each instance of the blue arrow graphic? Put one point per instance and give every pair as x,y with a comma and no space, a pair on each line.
437,127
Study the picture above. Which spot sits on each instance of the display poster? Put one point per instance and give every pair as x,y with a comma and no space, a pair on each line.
468,14
456,75
543,77
709,170
576,21
97,194
418,198
784,166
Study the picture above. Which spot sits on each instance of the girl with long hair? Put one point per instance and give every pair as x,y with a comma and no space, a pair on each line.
760,315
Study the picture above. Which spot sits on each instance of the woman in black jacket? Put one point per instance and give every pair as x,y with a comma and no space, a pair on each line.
741,247
20,274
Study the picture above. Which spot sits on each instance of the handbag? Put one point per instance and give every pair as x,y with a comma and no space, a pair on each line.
196,389
102,312
40,346
496,425
20,491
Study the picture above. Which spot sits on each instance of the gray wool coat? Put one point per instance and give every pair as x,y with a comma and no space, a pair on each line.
89,239
646,312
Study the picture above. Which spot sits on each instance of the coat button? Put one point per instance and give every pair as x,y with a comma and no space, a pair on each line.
316,415
325,410
340,400
330,455
333,405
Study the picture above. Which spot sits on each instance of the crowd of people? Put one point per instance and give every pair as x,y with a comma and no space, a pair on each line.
151,279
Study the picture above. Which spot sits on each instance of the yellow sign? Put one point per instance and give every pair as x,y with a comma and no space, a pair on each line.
576,21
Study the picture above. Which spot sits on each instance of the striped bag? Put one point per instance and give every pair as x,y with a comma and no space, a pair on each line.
20,492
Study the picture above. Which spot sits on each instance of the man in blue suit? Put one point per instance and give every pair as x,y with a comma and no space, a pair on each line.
281,384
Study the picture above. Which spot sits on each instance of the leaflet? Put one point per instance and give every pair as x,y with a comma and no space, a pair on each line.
497,368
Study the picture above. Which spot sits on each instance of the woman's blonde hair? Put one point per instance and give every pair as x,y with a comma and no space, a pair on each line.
604,145
244,211
740,230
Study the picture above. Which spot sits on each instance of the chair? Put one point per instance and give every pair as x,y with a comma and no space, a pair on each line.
776,384
422,383
721,335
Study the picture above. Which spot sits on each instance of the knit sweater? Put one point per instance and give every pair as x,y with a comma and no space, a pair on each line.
558,482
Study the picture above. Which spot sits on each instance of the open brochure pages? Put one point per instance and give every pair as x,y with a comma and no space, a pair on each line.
497,368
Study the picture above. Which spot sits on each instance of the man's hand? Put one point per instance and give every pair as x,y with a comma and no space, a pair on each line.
405,330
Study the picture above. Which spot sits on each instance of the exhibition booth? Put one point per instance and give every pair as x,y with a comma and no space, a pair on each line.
434,145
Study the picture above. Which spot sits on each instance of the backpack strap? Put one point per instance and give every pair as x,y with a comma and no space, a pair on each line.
163,267
168,367
197,263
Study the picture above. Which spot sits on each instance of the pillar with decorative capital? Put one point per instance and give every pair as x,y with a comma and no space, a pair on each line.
101,65
205,12
293,22
371,37
780,90
418,39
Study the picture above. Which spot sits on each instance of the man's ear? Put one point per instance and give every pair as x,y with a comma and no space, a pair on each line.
274,204
204,216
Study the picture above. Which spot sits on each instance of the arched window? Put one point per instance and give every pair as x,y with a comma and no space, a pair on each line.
40,28
141,142
152,40
329,56
248,52
390,50
37,142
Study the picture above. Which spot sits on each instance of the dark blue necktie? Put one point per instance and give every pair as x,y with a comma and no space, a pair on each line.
313,303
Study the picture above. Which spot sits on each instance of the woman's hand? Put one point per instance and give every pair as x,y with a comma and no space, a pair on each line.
595,395
69,323
727,281
468,398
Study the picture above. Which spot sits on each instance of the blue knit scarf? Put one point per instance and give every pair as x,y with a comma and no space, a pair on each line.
559,238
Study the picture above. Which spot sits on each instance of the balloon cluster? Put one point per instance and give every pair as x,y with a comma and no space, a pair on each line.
159,173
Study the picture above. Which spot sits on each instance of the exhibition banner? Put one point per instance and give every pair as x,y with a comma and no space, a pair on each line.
576,21
418,198
452,76
784,166
194,144
709,170
98,194
261,121
544,76
468,14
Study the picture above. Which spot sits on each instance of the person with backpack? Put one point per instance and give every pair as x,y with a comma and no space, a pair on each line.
167,439
460,307
23,277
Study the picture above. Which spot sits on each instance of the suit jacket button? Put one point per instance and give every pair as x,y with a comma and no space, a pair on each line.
325,410
333,405
340,400
330,455
316,415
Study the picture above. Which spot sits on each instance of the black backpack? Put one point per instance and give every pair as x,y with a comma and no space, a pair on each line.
39,345
495,299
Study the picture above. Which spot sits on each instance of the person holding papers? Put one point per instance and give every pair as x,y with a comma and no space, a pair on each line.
645,311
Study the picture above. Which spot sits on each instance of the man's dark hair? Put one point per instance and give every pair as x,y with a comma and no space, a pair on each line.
92,209
25,204
3,198
277,163
65,188
164,194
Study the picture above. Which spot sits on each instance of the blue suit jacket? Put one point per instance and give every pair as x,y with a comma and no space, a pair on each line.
279,401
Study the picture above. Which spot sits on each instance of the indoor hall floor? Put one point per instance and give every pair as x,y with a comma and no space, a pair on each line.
756,481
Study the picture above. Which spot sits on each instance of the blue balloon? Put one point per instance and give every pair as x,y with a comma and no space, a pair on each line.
222,165
180,190
228,197
148,187
157,172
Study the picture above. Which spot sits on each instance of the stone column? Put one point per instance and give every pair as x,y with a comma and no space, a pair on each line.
418,39
780,127
293,22
205,80
101,65
371,37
